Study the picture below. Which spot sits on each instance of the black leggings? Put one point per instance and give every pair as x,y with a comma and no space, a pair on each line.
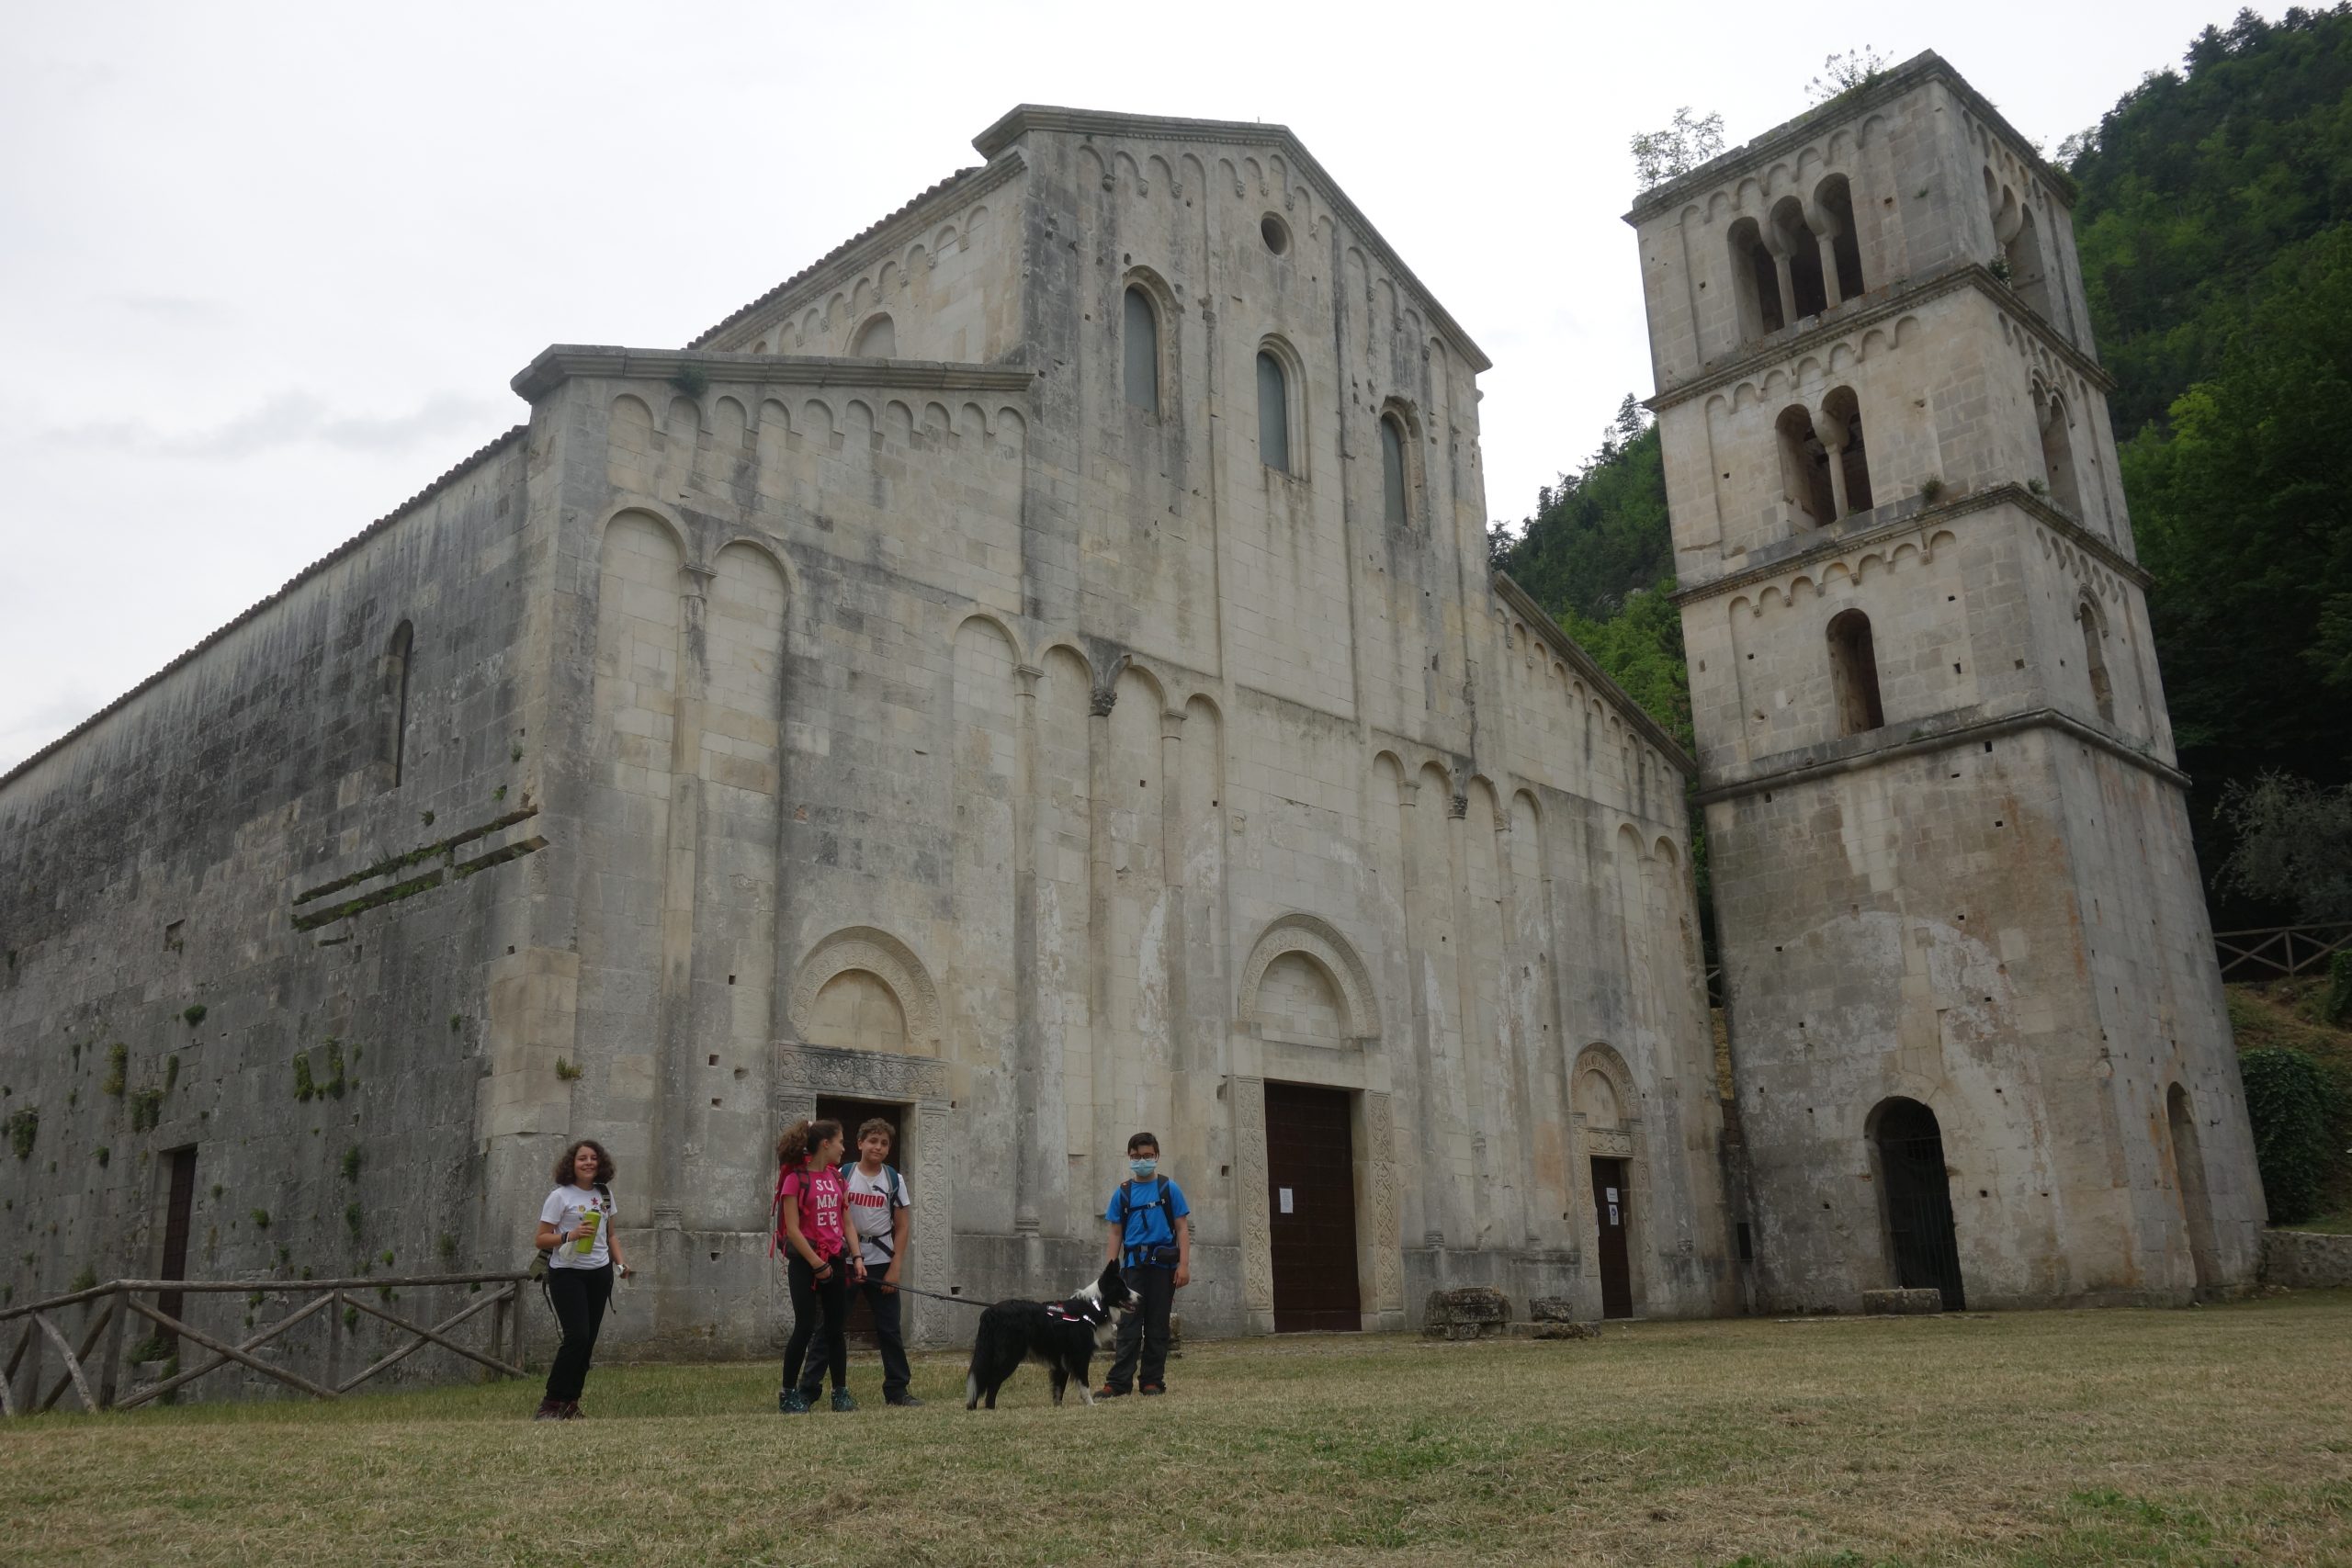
579,1296
811,1296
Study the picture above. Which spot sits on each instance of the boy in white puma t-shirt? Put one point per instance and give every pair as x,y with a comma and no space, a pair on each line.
882,1216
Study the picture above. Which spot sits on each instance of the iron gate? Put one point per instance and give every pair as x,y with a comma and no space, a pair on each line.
1918,1204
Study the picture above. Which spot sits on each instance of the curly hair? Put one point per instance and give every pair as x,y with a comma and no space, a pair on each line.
792,1150
564,1174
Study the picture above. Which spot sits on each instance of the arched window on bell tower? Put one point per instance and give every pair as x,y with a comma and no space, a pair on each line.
1847,461
1805,470
2087,617
1853,672
1754,281
2058,450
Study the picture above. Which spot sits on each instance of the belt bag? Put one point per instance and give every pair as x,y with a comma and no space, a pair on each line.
1162,1256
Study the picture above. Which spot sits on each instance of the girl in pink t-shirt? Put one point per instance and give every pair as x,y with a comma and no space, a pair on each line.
818,1263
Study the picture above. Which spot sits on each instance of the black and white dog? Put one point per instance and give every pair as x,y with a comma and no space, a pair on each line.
1062,1337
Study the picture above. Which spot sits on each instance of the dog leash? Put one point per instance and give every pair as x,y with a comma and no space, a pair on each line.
937,1296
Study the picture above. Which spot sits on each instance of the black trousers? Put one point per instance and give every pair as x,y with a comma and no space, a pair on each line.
1145,1330
884,1304
580,1296
819,1325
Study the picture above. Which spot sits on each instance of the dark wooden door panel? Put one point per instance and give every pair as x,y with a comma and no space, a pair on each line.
1311,1206
1612,1207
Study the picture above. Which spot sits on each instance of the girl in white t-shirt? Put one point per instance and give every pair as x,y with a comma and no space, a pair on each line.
583,1252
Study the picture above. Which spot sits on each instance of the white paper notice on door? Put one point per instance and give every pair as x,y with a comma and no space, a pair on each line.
1285,1192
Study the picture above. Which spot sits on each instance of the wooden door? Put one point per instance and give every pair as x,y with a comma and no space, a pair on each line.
1311,1203
1613,1206
853,1114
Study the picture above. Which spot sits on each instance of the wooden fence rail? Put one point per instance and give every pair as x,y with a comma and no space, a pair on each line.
2278,952
119,1301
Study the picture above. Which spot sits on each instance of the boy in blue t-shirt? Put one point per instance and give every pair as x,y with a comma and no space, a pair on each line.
1152,1240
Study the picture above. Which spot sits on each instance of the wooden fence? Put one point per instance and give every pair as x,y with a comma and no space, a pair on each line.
2278,952
108,1310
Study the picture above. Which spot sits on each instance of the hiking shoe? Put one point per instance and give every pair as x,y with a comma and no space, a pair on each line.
548,1410
1152,1388
904,1401
1109,1391
792,1401
842,1401
571,1411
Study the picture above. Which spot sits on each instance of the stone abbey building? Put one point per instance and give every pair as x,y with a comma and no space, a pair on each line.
1035,675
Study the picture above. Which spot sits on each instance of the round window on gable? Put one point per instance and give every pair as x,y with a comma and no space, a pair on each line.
1276,232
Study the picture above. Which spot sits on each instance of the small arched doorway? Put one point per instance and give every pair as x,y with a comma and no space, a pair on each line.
1920,1241
2188,1178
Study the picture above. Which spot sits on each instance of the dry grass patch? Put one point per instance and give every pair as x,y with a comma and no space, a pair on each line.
2200,1436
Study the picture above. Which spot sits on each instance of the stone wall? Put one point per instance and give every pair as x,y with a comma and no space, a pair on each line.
2304,1261
169,882
965,735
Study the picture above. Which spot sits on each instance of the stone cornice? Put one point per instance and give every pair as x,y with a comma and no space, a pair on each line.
1939,733
1023,119
853,254
1777,349
560,362
1921,68
1536,616
1912,515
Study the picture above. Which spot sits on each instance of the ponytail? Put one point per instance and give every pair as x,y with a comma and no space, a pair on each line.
792,1149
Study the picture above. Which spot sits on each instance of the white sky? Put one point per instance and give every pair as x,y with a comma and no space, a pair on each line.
265,271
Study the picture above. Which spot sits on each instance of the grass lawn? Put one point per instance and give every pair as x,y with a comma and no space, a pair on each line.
2205,1436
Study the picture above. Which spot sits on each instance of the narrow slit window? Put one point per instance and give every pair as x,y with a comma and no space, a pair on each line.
396,660
1273,413
1392,471
1141,329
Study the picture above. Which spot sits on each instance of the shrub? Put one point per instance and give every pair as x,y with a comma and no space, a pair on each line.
260,1218
303,1088
2338,1005
194,1014
118,1069
2293,1103
351,1163
23,1127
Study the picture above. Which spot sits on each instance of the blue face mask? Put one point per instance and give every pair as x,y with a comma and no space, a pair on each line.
1143,1169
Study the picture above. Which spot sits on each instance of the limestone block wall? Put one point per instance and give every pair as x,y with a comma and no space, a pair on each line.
300,847
1907,943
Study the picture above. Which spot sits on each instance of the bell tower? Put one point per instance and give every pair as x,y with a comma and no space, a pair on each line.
1978,1028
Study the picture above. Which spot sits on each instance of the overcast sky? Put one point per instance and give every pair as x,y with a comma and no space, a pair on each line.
264,272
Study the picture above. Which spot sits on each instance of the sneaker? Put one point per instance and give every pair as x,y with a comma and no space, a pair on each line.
792,1401
548,1410
904,1401
1109,1391
571,1411
1151,1388
842,1401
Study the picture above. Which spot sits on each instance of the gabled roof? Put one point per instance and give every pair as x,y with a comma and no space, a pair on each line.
961,184
1024,118
466,466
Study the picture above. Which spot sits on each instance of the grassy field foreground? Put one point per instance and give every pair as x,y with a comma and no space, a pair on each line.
2206,1436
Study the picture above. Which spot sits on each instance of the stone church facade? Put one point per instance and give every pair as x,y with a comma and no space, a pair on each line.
1978,1027
1035,673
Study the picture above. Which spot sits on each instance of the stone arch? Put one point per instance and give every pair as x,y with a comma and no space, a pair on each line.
867,951
1321,942
1605,1116
876,339
965,617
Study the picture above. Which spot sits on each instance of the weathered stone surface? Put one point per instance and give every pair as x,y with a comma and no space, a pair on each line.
1469,1311
1562,1330
1902,1303
1552,1309
2306,1261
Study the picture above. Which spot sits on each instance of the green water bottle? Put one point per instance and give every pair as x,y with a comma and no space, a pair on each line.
587,1241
